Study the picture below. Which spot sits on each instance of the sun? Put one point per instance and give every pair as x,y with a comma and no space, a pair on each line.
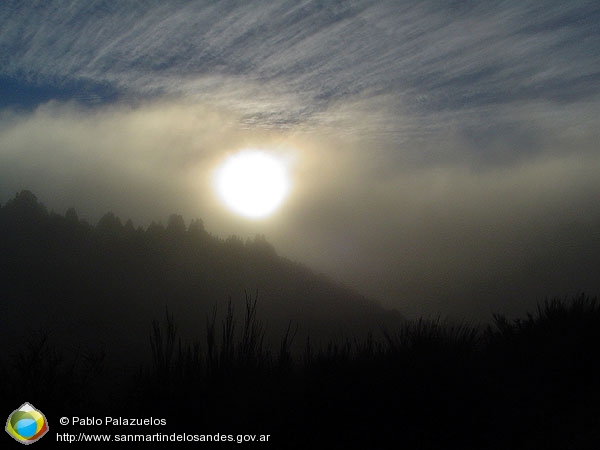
252,182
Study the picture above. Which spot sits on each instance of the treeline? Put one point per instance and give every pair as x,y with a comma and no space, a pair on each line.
102,284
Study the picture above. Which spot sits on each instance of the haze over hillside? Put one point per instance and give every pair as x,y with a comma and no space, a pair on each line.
102,285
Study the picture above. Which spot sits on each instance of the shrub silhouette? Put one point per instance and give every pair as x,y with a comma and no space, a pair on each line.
46,374
526,383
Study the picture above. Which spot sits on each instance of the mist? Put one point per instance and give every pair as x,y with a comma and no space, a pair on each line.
450,236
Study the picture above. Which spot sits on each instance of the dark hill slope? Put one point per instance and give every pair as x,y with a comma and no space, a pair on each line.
103,284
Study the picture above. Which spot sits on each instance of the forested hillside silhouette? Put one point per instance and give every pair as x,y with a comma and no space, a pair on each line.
102,284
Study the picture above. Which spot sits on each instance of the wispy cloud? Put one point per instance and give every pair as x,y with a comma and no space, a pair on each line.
427,59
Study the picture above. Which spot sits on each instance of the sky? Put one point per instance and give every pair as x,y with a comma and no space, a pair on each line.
443,155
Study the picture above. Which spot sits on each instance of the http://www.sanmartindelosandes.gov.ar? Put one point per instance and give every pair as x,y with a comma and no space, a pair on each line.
27,424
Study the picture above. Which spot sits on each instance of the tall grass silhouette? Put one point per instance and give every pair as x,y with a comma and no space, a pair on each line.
48,374
529,382
524,383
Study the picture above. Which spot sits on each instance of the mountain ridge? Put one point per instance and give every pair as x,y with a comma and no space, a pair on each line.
103,284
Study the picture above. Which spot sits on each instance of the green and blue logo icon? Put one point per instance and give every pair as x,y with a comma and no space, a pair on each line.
27,424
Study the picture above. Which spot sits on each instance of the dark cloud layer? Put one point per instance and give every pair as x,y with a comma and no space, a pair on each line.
446,153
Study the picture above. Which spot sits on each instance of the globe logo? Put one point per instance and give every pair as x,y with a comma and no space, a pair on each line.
26,424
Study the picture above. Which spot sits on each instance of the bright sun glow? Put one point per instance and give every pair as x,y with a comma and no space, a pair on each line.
252,183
